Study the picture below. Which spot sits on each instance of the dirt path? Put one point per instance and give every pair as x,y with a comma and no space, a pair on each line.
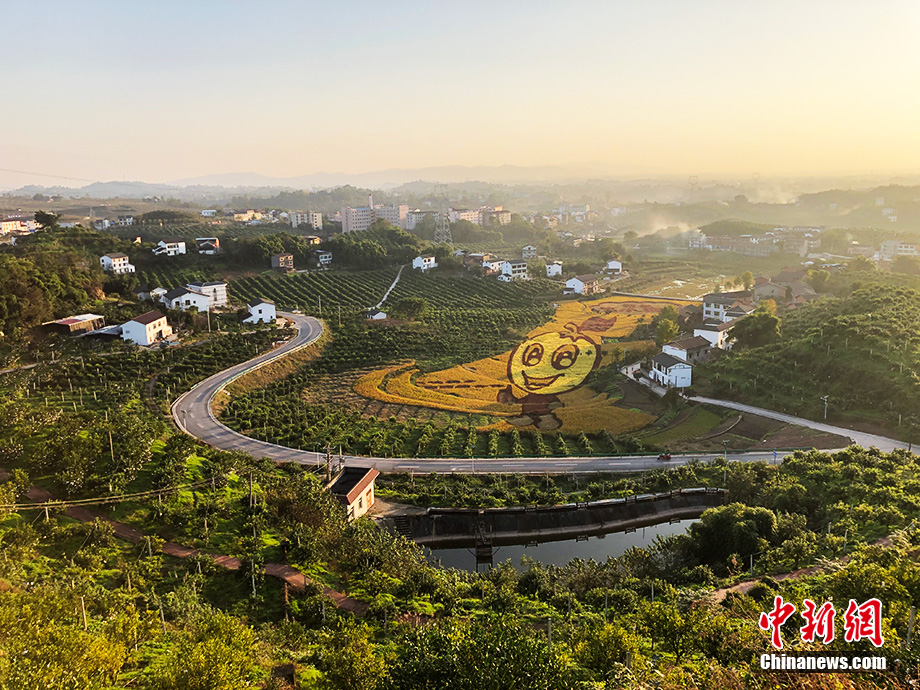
294,578
744,587
390,289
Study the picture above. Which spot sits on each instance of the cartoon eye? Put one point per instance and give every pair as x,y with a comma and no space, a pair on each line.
533,353
564,357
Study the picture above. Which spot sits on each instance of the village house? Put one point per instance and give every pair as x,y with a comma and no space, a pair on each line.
208,245
614,266
476,259
169,247
670,371
17,226
787,288
261,311
716,332
125,221
116,263
424,263
554,269
492,265
215,290
183,299
375,315
690,350
146,329
529,252
75,325
716,304
583,285
283,262
515,269
690,316
354,488
248,216
322,258
144,292
769,290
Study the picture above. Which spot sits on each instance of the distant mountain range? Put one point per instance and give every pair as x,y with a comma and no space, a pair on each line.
247,183
222,188
383,179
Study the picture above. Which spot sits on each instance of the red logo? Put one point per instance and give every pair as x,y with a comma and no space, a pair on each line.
860,621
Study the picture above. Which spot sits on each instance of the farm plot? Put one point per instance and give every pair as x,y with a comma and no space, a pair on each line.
310,292
537,385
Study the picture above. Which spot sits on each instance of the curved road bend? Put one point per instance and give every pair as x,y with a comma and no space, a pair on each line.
858,437
192,414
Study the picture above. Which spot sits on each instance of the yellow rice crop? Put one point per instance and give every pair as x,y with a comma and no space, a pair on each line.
473,387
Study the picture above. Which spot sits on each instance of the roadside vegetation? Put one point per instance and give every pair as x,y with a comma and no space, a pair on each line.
861,349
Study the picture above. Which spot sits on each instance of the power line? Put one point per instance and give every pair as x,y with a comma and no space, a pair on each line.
36,174
101,501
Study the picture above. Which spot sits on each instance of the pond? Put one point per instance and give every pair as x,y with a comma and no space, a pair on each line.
561,552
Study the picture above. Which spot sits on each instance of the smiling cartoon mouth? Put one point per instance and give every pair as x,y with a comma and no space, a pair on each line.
535,383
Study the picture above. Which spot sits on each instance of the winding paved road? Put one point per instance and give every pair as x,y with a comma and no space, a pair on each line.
192,414
860,438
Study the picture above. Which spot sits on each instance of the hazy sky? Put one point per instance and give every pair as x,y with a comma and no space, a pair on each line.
170,89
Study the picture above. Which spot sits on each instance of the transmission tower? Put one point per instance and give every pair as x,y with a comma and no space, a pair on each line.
442,229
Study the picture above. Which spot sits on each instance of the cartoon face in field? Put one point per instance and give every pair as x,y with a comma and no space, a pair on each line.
553,362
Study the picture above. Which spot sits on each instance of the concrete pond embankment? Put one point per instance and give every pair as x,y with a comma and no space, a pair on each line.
469,527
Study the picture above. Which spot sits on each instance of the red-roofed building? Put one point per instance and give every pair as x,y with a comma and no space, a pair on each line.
354,488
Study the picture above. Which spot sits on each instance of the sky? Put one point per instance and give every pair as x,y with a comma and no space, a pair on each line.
168,90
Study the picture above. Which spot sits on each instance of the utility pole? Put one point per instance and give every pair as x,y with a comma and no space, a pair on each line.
825,405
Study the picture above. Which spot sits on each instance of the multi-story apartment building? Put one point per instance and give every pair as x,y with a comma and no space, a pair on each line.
311,218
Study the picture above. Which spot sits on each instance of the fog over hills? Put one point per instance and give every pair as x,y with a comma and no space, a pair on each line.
622,189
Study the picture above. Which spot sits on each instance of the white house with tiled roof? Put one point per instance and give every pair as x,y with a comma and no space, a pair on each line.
261,311
670,371
216,291
169,247
146,329
183,298
424,263
116,263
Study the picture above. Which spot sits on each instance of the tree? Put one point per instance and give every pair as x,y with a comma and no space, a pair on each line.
349,661
732,529
665,332
676,631
410,308
769,306
219,655
669,313
46,220
860,263
819,279
905,264
757,329
492,654
747,278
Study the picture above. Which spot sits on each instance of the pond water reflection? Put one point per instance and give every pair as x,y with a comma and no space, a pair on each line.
561,552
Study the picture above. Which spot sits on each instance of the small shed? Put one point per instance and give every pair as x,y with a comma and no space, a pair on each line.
354,488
